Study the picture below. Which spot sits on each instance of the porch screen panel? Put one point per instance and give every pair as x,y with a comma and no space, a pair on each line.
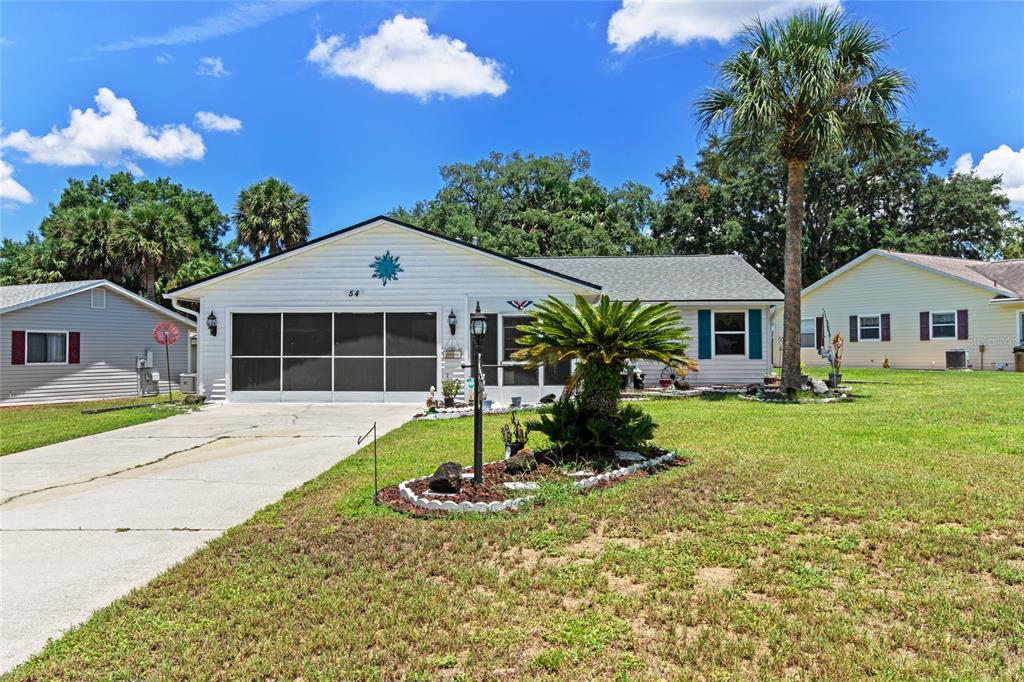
307,352
489,351
515,376
411,349
256,352
359,352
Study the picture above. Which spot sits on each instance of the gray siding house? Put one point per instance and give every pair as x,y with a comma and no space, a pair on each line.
70,341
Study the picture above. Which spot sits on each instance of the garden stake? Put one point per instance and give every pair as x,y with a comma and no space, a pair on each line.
359,441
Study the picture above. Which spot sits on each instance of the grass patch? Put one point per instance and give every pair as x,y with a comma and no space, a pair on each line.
878,538
32,426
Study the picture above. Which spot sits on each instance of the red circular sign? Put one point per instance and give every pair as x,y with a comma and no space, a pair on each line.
165,333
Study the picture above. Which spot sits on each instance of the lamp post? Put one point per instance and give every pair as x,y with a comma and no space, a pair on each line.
477,329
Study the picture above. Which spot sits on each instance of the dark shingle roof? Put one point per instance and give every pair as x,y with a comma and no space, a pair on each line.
668,278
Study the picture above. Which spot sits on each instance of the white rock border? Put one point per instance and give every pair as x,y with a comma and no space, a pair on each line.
486,507
841,398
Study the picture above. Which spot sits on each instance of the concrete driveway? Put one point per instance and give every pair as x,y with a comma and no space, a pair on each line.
86,521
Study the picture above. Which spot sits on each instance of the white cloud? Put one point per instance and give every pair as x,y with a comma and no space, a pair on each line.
403,57
6,42
237,17
11,189
217,122
1002,161
163,58
212,66
110,135
682,22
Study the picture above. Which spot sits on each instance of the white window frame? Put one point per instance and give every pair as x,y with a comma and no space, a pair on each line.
814,332
92,298
931,325
1020,327
67,346
746,333
860,327
541,374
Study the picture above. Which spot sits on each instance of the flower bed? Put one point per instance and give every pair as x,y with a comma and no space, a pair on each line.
493,495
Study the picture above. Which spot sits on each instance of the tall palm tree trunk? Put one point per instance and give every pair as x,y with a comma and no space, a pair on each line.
151,282
793,277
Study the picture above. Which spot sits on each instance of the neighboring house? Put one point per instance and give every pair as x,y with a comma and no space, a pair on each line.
70,341
362,314
911,309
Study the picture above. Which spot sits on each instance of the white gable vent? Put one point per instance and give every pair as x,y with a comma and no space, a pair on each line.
99,297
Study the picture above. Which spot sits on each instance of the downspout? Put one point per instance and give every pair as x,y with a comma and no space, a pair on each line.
188,312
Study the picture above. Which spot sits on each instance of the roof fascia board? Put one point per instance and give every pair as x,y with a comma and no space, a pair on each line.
51,297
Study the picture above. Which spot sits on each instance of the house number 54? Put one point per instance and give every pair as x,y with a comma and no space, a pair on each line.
353,292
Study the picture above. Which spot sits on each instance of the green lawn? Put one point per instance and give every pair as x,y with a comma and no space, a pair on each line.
880,538
22,428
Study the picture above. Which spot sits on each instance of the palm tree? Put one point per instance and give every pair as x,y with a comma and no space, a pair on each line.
270,215
602,338
157,238
810,84
84,234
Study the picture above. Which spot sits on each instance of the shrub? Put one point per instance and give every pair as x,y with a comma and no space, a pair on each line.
576,434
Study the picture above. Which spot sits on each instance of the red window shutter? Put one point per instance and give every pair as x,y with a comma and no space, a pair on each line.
961,325
853,327
74,348
926,332
819,332
886,327
17,347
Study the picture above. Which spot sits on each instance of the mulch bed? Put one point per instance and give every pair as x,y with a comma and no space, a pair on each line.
493,489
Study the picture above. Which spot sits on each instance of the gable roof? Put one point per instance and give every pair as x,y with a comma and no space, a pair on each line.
669,278
18,296
313,243
1002,278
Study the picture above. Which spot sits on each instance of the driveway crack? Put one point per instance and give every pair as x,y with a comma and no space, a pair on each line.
107,475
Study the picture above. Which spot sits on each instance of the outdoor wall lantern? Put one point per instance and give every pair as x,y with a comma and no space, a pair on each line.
478,323
451,321
211,324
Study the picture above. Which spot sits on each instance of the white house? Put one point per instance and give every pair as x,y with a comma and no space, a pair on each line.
910,309
378,312
69,341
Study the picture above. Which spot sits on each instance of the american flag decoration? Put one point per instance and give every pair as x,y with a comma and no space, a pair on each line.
520,305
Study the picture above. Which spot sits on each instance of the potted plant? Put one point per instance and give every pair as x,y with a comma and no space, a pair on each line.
514,436
836,361
804,377
449,389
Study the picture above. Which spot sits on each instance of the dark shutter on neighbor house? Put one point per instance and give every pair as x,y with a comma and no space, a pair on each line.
754,351
703,334
819,332
926,332
17,347
853,327
961,325
886,327
74,348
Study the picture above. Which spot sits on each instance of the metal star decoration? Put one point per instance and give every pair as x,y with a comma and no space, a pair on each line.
386,268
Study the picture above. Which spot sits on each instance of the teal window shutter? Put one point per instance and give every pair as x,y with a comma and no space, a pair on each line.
703,334
754,334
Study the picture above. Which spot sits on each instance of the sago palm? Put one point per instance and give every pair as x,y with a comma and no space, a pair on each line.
602,337
154,238
271,216
810,84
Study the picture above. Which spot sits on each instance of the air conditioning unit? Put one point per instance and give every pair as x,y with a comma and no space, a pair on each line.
187,383
958,358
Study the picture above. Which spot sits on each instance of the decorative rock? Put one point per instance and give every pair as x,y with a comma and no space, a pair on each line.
521,485
447,478
819,387
629,456
521,462
548,399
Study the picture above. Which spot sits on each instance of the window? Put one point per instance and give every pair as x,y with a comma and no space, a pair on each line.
944,325
869,328
515,375
730,331
99,298
808,333
45,347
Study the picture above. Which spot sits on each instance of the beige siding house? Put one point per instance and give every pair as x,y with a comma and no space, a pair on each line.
70,341
910,309
378,312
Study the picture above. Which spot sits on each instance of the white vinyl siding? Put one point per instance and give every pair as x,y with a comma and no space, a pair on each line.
904,292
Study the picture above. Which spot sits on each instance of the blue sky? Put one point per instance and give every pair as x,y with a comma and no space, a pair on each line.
358,104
